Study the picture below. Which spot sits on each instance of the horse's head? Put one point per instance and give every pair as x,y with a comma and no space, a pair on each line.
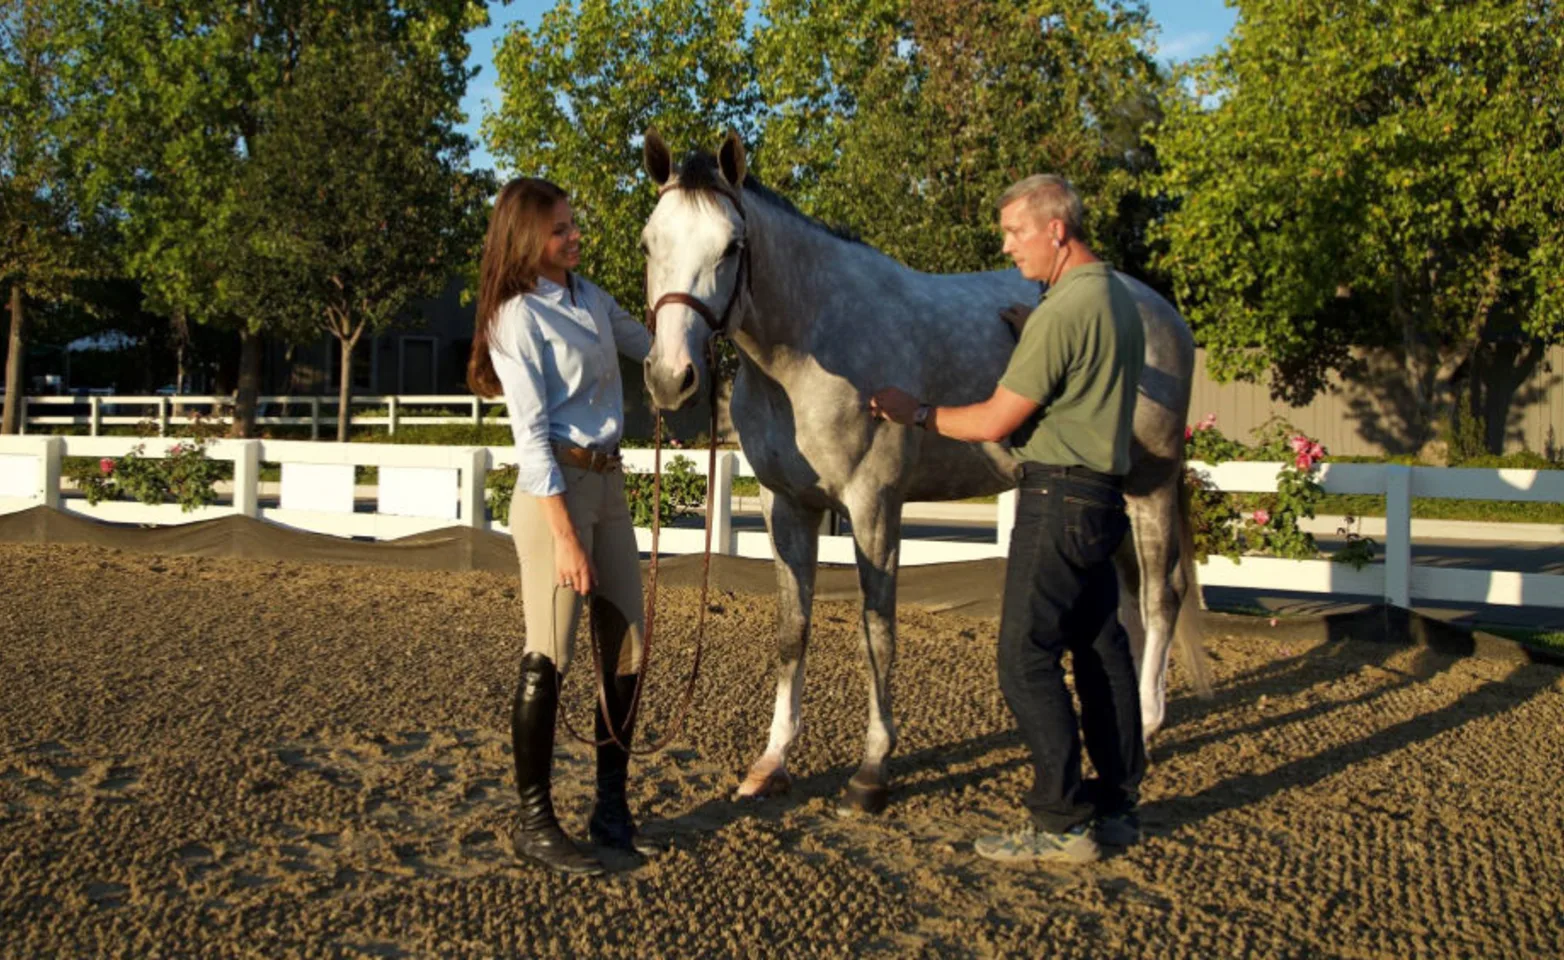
695,265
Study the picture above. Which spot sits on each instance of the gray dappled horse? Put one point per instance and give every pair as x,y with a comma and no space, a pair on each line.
820,322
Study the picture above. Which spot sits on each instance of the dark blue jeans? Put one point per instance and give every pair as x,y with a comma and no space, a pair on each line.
1062,594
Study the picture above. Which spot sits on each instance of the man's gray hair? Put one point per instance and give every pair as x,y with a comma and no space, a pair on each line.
1048,198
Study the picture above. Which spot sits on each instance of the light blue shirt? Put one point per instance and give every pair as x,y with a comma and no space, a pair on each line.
556,357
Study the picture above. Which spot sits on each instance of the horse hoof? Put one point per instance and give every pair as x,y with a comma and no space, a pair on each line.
869,798
774,784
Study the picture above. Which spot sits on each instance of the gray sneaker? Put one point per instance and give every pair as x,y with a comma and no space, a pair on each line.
1120,829
1029,844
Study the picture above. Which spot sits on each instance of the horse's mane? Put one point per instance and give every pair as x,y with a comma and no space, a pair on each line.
700,175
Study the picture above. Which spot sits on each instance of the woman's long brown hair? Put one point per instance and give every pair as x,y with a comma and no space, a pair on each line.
518,230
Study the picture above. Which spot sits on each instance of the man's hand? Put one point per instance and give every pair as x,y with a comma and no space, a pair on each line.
895,405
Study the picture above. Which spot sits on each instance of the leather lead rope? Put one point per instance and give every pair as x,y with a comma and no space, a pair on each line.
719,328
599,672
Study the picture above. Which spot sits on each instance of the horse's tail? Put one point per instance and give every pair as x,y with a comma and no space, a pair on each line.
1188,630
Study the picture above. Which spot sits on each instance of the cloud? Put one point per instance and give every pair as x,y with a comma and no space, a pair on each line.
1185,46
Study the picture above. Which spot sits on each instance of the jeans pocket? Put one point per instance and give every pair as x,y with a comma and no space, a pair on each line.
1092,531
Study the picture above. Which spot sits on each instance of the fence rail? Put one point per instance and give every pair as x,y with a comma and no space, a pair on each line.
425,487
316,412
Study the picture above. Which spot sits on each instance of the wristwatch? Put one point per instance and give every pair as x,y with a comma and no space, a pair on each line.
920,417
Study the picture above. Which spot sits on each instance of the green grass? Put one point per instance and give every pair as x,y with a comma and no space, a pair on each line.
272,473
1552,640
1425,508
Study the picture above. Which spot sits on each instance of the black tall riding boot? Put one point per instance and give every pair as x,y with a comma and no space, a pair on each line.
533,713
612,825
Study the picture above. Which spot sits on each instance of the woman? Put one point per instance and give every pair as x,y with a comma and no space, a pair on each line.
547,340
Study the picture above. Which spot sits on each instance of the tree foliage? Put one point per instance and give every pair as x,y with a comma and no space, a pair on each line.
907,120
186,95
901,120
47,233
1384,172
357,202
581,88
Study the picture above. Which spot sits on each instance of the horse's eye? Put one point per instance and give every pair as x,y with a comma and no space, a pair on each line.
731,251
644,248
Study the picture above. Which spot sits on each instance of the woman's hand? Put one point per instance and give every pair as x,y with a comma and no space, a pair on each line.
572,567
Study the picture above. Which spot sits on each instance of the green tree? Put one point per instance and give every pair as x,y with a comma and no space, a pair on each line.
906,120
46,234
580,89
357,202
1380,172
184,95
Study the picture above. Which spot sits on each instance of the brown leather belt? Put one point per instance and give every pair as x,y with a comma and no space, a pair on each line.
583,459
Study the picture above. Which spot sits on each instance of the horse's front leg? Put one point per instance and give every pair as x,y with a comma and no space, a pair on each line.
795,539
876,522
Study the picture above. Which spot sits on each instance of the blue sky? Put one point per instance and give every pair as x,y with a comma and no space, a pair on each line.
1190,28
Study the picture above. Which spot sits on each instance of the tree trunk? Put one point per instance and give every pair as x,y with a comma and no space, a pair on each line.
345,385
249,383
181,327
11,419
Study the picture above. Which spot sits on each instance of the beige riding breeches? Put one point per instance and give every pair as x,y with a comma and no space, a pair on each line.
601,516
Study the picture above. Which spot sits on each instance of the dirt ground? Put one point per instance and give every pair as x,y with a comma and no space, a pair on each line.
232,758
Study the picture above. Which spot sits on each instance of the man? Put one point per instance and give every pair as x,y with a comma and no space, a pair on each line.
1066,402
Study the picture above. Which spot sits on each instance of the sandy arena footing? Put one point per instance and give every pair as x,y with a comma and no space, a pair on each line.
222,757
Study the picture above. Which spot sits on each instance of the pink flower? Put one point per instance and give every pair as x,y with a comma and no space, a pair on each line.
1304,462
1300,444
1206,422
1189,432
1262,517
176,449
106,466
1317,452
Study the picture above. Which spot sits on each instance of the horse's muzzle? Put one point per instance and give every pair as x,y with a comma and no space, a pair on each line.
672,390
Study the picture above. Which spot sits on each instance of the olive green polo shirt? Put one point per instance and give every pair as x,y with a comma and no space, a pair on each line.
1080,357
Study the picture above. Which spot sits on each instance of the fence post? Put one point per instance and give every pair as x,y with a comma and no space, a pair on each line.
247,479
391,416
719,504
314,418
475,471
162,416
1005,520
477,412
21,423
52,455
95,415
1398,535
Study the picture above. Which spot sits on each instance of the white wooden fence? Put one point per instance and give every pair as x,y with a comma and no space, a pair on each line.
426,487
316,412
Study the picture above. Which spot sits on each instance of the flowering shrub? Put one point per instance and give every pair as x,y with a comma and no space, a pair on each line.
1272,527
682,491
1359,551
186,476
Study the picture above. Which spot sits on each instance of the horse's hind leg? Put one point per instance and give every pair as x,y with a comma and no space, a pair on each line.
795,538
877,537
1154,528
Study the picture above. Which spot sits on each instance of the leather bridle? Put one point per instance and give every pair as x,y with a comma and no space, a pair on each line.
719,326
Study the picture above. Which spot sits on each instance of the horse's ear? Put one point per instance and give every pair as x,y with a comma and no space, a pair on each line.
659,162
730,160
